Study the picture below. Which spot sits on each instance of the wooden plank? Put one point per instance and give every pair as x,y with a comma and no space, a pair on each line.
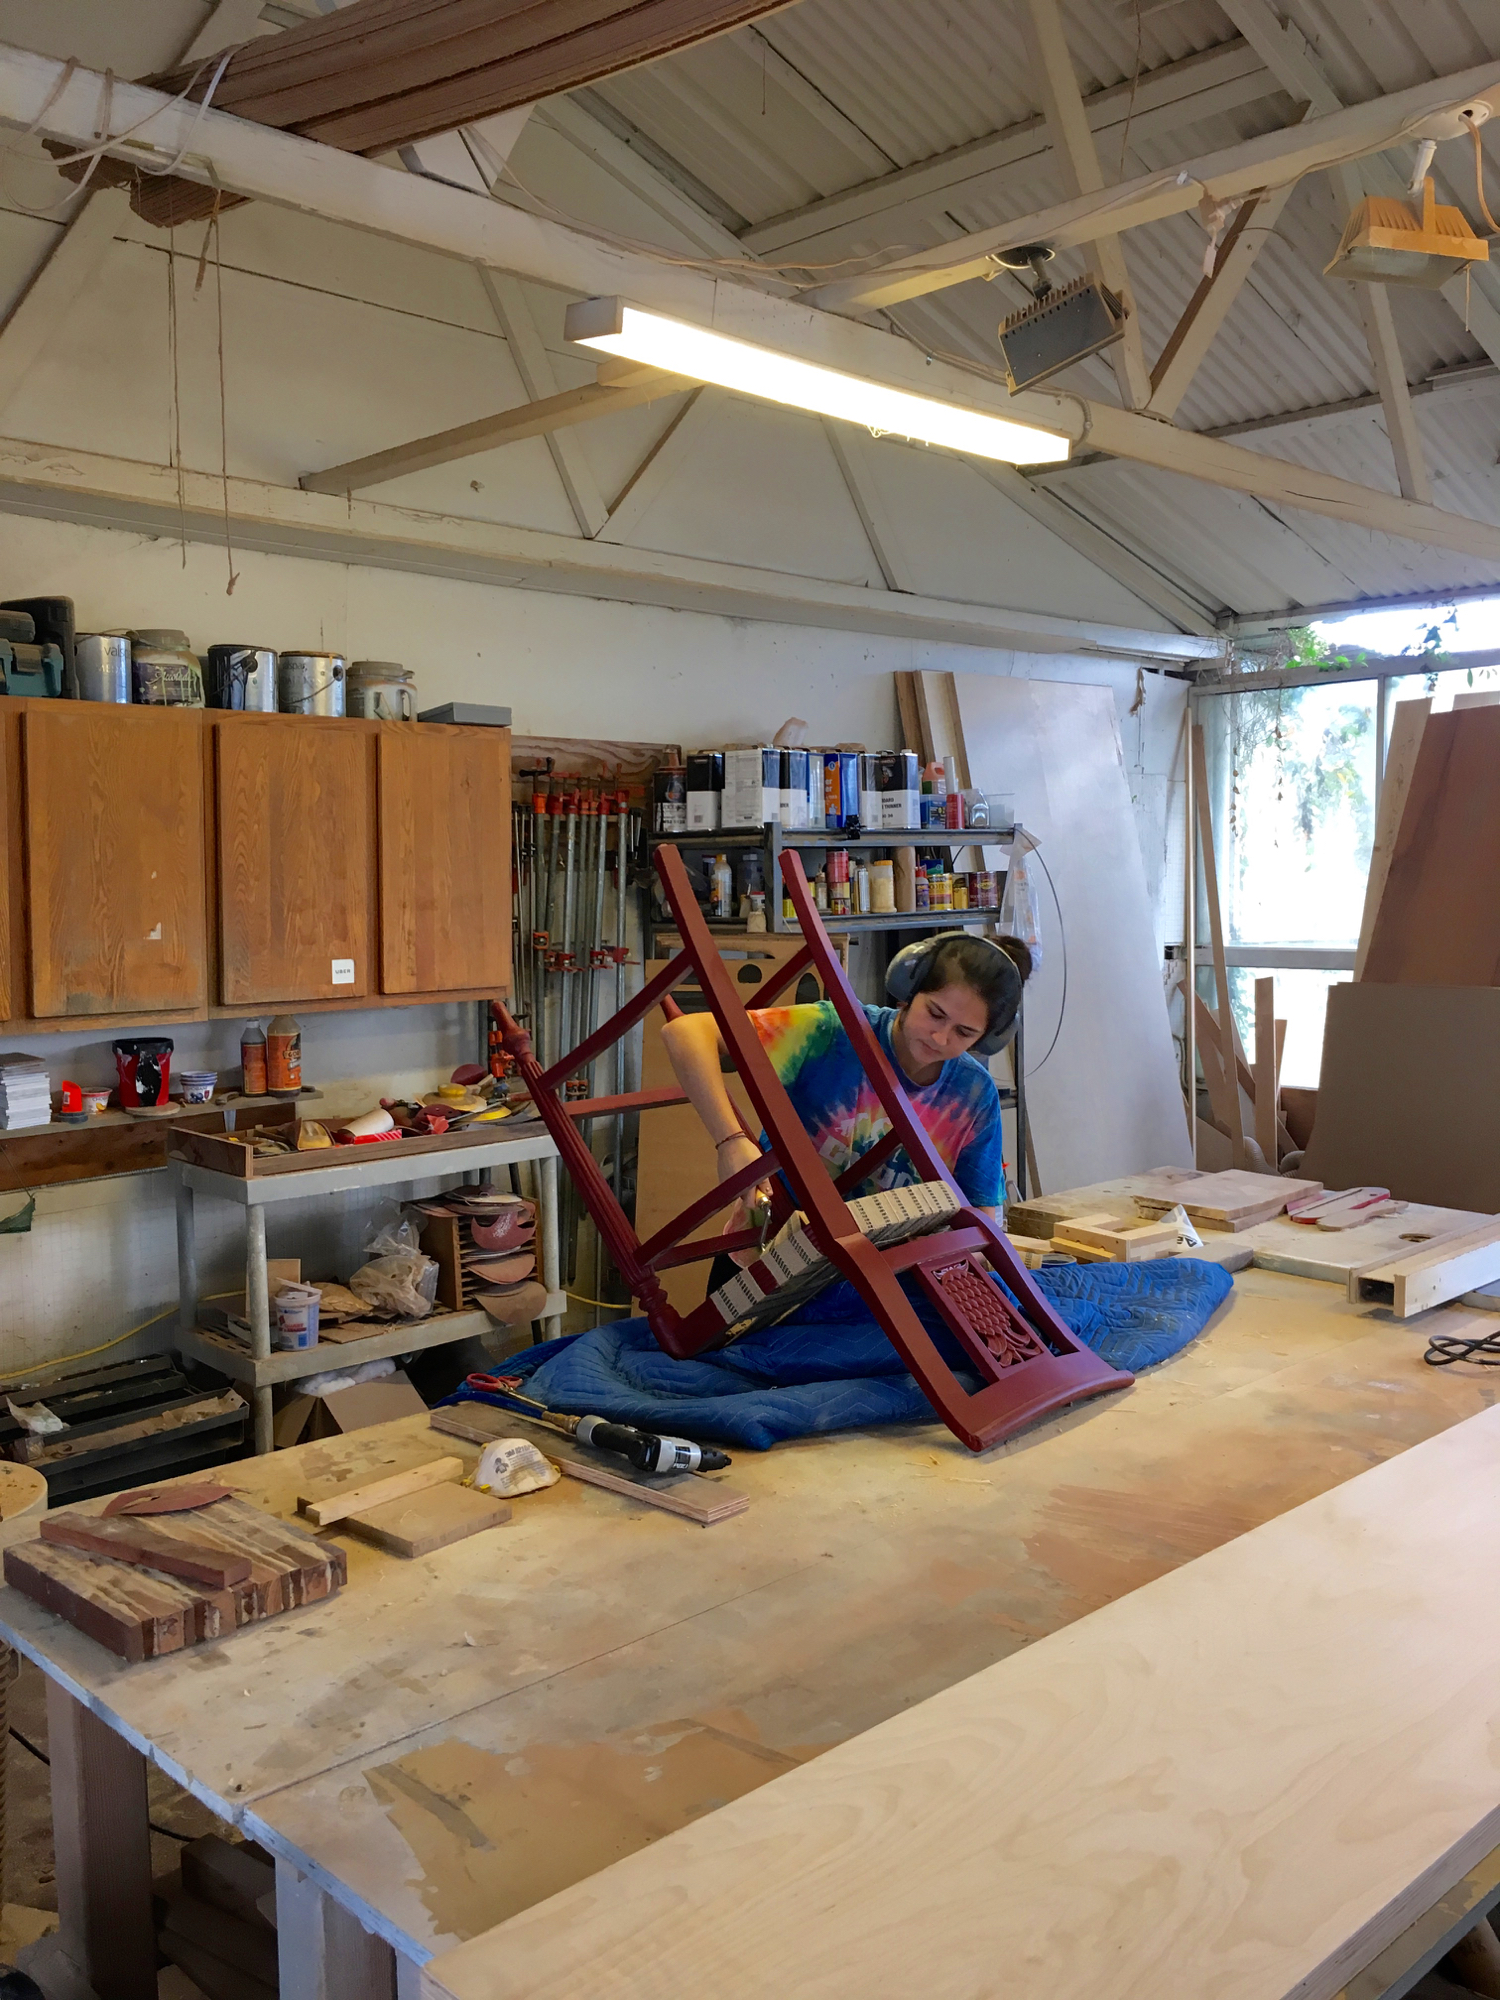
444,814
1407,725
612,393
1266,1071
326,1508
1428,1132
139,1547
226,1874
114,858
1209,307
1110,1099
103,1842
295,825
1438,922
421,1523
1208,861
1294,1752
1425,1278
1128,1246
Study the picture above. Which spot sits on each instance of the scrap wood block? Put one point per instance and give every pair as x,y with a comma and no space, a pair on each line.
335,1502
136,1613
1432,1275
213,1977
250,1946
140,1545
423,1522
228,1874
141,1613
1234,1200
1126,1246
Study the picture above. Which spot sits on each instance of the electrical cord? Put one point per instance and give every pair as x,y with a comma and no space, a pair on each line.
42,1758
1062,938
1444,1348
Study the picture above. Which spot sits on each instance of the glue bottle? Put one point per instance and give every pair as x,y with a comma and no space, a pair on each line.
253,1060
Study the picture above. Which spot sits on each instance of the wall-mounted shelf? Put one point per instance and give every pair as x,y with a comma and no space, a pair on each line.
114,1142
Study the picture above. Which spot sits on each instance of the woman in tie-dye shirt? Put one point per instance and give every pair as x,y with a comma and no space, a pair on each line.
968,989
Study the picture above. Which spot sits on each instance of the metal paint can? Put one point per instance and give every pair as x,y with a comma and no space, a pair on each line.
103,660
242,677
311,683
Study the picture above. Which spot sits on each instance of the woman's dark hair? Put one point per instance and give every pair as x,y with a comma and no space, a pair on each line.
988,970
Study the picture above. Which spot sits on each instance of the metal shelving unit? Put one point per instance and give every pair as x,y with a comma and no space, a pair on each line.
773,838
258,1366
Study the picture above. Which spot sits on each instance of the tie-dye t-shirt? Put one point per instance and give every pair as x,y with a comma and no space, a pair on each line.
816,1061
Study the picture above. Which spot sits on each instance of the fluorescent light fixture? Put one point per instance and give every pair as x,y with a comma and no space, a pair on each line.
680,349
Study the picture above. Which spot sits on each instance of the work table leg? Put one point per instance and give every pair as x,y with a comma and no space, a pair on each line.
546,1175
100,1825
258,1309
324,1953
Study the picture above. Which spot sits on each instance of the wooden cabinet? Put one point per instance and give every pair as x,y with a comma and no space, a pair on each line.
114,859
295,822
444,810
183,863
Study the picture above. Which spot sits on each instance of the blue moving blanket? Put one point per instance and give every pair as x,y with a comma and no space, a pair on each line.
830,1367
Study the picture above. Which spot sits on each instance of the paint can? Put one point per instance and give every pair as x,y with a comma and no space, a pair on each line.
382,690
164,670
296,1316
103,660
242,677
144,1063
311,683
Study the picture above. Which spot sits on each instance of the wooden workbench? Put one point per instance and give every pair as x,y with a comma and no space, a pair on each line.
455,1738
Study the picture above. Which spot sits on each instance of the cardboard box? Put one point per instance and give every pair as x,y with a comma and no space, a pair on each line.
305,1419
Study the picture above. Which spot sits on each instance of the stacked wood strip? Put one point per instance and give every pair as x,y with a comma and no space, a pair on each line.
380,74
141,1613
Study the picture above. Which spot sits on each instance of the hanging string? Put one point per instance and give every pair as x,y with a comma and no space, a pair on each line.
1134,86
223,400
175,438
1484,207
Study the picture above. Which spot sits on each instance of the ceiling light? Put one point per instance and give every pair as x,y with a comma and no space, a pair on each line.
1384,243
680,349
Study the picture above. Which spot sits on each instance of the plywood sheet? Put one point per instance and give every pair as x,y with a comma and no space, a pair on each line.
1244,1780
1439,917
1107,1099
1409,1096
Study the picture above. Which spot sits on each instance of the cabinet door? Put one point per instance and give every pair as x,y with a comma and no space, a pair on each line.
114,858
295,865
444,858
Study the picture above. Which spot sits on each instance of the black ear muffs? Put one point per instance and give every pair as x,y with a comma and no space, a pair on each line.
907,970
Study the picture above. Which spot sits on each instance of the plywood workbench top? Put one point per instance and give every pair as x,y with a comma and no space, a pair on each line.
454,1738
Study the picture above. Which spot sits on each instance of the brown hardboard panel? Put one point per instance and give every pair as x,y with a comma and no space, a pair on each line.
1409,1096
1439,918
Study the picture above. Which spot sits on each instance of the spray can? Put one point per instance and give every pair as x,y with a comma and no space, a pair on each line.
284,1053
253,1059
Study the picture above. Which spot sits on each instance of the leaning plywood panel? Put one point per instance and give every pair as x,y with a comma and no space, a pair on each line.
1409,1097
1107,1098
1439,918
1242,1780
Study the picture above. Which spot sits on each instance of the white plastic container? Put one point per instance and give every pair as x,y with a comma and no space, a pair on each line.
296,1317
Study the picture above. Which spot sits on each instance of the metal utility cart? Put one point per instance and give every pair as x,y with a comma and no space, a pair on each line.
773,840
349,1169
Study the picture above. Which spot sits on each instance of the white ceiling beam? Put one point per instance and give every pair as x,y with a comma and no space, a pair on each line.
1165,99
1101,549
1208,308
624,164
1078,159
58,483
1235,172
659,465
852,448
1391,385
300,174
621,386
534,366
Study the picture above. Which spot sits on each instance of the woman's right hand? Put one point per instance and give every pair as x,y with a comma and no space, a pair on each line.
735,1153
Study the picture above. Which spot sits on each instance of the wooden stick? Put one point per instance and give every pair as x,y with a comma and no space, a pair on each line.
198,1565
1210,1048
1265,1070
1231,1040
326,1508
1407,725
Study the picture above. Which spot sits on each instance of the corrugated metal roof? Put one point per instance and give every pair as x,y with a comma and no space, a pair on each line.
783,115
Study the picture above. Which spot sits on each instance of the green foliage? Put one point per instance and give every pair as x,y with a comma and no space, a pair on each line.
1320,774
